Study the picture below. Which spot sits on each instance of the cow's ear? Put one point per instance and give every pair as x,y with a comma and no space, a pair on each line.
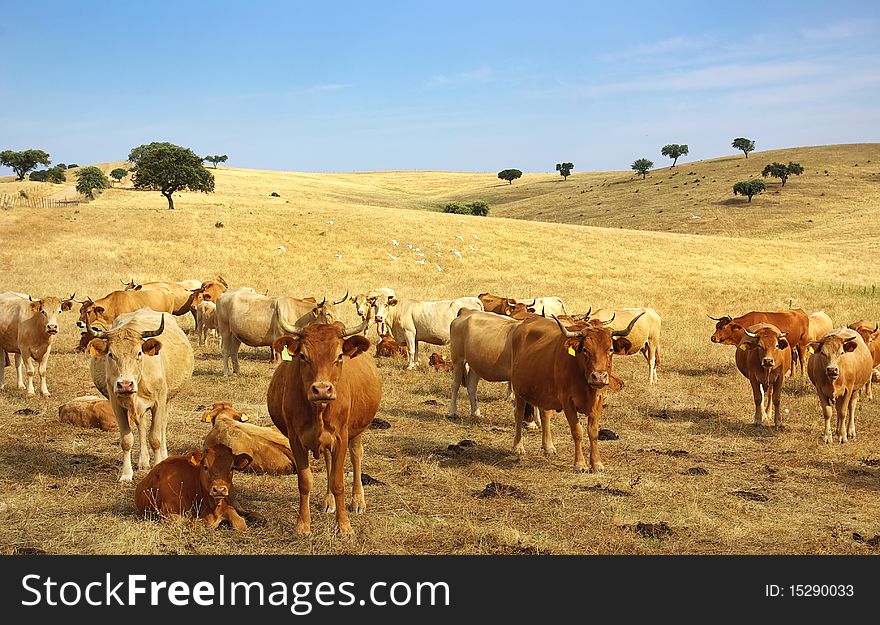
288,341
746,344
151,347
194,458
65,306
735,327
814,346
97,347
392,301
614,383
574,345
355,345
621,345
782,343
850,346
206,297
241,461
99,310
35,306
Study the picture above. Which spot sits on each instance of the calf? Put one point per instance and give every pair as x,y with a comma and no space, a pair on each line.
90,411
436,361
206,320
839,367
387,347
267,446
198,483
870,333
763,356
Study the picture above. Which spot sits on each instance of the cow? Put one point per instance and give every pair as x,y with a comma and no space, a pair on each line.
101,313
820,324
500,305
645,335
387,347
363,303
89,411
206,321
27,329
554,368
839,367
183,291
323,396
763,356
209,291
794,322
198,483
437,362
870,333
413,322
244,316
139,364
268,448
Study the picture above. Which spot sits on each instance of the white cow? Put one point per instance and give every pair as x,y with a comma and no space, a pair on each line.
415,322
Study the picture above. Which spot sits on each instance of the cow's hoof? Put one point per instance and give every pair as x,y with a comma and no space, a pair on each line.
531,425
358,507
599,468
126,477
302,529
519,450
329,504
345,530
550,451
46,394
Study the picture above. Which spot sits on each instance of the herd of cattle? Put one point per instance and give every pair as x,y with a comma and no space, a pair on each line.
326,390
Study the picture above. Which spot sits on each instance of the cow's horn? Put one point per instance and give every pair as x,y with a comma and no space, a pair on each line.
350,330
783,334
96,332
876,327
606,323
322,302
534,301
151,333
568,333
715,318
628,328
70,299
751,334
344,297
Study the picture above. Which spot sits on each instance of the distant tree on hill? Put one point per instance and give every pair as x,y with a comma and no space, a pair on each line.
89,180
169,168
118,174
564,169
72,165
749,188
642,166
53,174
509,175
743,144
674,151
23,162
478,207
217,158
41,175
778,170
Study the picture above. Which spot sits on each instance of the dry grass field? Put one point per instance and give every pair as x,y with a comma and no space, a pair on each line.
688,459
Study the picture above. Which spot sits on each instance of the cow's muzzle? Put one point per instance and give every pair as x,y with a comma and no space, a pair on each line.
768,363
322,392
832,372
219,491
125,387
51,329
81,324
598,379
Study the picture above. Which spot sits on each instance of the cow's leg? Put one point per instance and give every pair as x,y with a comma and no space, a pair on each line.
869,391
457,377
473,379
303,484
3,366
31,371
758,393
358,503
157,429
577,436
329,500
518,413
19,370
853,404
546,434
44,361
510,395
777,397
842,406
338,483
412,346
234,346
827,410
126,440
144,450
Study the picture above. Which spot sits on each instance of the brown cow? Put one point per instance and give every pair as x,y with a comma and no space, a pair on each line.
794,322
820,325
267,446
763,356
839,367
103,311
870,333
553,368
387,347
90,411
198,483
436,360
323,396
209,291
27,329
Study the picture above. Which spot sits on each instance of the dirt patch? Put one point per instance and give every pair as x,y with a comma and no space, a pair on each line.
750,495
675,453
26,411
871,462
858,473
871,542
379,424
661,414
497,489
605,490
607,435
652,530
369,480
696,471
25,550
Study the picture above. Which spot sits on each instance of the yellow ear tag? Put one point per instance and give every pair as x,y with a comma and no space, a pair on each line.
811,350
571,351
285,355
743,347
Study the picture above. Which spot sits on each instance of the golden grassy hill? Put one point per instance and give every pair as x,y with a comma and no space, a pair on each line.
800,496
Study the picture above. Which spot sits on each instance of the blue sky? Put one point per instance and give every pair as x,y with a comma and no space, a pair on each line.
462,86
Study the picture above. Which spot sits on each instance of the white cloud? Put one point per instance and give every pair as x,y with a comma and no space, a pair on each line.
659,48
840,30
325,88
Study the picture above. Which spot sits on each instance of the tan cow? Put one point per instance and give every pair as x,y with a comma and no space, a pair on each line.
763,356
244,316
507,305
101,313
820,324
269,448
139,364
27,329
90,411
839,367
644,337
870,333
210,291
324,395
206,322
184,291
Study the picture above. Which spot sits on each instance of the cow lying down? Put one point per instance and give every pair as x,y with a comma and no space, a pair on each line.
198,483
89,411
267,446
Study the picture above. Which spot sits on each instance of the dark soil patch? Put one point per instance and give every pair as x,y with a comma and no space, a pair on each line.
750,495
379,424
369,480
497,489
652,530
871,462
607,435
696,471
28,551
858,473
25,411
675,453
871,542
605,490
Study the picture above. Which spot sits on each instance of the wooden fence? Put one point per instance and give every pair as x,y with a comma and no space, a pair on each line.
8,200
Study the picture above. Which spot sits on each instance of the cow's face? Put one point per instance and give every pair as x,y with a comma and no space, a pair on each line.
124,351
215,465
223,408
90,314
320,351
869,331
592,350
519,311
383,307
495,303
727,332
48,309
828,351
768,344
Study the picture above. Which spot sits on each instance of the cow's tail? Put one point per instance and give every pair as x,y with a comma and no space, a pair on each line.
657,357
